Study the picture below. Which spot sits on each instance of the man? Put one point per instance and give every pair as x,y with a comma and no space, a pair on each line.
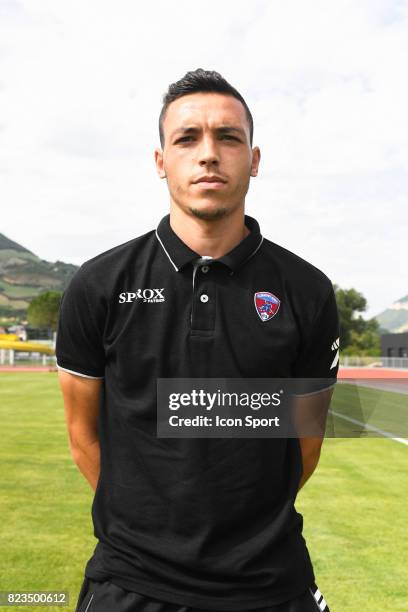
194,523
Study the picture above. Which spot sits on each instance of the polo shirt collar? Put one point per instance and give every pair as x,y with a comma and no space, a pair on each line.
180,254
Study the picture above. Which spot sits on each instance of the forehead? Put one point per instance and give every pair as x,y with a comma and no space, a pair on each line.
211,108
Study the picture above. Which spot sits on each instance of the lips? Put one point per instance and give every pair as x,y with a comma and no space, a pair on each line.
210,179
209,185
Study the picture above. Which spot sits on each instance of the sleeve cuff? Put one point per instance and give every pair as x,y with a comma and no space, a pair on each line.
78,373
316,390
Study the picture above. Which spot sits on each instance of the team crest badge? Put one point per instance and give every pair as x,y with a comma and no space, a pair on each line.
266,305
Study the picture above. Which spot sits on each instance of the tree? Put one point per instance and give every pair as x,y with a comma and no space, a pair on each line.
357,335
43,310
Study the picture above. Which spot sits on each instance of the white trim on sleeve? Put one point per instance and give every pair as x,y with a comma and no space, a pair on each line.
314,392
79,373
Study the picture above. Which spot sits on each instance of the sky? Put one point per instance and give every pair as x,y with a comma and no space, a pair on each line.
81,87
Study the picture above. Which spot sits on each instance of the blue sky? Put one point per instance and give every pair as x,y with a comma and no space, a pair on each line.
80,93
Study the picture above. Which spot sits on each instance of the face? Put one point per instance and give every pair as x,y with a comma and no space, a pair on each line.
207,134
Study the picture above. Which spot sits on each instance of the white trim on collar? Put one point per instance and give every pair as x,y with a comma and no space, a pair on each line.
253,252
249,256
164,249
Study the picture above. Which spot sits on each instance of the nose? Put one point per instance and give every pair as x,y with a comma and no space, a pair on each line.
208,151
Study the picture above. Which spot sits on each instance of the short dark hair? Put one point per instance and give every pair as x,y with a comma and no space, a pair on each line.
198,81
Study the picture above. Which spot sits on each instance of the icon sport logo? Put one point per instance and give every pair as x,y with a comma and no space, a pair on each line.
266,305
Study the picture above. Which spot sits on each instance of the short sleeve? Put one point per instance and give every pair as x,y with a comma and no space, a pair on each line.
79,344
318,360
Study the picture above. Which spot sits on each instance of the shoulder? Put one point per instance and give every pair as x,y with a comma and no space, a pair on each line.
299,275
96,276
108,265
117,255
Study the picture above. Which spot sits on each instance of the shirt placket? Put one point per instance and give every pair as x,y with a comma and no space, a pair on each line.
203,306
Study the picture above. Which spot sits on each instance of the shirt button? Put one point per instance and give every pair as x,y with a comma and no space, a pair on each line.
204,297
205,269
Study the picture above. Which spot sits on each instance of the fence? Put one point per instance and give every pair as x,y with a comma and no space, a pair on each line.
374,362
8,356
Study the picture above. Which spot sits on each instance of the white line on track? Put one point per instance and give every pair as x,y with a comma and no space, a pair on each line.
386,434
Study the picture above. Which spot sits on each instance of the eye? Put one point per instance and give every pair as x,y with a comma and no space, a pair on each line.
222,136
183,139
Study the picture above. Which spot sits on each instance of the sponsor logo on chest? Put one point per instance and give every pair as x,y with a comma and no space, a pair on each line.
145,295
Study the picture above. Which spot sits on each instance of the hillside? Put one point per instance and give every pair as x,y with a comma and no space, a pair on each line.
23,275
395,317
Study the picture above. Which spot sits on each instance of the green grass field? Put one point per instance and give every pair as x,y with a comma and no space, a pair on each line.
384,410
354,507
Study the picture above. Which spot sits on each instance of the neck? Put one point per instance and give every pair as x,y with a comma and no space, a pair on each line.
213,237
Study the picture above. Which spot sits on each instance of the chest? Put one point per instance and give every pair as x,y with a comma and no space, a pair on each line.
204,322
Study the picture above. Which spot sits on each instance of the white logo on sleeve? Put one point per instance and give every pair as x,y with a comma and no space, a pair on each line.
320,600
335,347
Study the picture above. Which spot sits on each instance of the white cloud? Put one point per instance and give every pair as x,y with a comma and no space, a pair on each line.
80,94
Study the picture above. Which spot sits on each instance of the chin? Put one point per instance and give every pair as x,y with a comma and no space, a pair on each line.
208,212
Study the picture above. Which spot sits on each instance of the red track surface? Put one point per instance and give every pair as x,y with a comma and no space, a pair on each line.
379,373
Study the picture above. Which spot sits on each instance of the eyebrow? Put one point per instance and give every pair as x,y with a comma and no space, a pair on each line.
220,129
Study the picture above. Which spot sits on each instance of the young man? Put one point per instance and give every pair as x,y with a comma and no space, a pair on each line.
194,523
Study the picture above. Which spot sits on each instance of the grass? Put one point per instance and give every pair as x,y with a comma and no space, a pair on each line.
354,507
46,530
386,410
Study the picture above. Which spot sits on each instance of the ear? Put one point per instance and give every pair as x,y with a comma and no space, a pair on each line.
158,158
256,158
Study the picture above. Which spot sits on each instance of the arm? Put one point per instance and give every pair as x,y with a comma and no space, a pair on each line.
316,369
310,448
311,415
81,405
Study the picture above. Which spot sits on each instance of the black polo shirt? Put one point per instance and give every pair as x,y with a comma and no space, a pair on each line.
209,523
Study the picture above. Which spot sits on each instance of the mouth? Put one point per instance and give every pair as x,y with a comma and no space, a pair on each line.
210,184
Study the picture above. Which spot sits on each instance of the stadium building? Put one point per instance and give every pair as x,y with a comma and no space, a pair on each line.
394,345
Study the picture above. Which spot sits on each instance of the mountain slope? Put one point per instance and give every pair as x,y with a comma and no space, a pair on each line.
395,318
7,244
23,275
